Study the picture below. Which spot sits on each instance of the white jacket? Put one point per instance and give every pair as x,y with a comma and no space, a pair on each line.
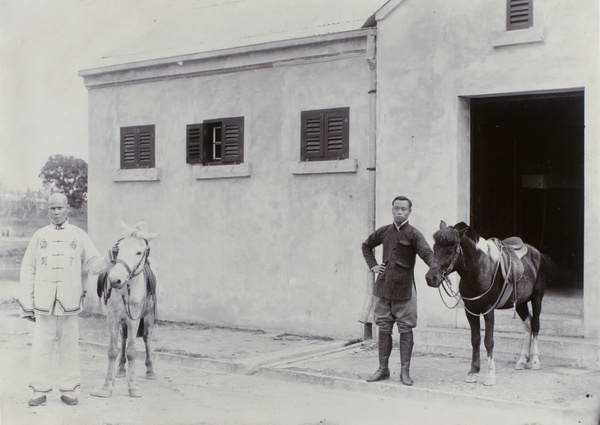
52,269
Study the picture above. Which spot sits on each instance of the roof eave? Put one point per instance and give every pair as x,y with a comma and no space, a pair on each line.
316,39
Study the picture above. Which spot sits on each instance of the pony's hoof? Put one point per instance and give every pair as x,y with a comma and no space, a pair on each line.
471,378
103,393
489,382
120,373
520,366
135,393
150,375
535,365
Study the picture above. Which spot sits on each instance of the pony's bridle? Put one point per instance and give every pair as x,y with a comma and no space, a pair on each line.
137,270
450,268
447,285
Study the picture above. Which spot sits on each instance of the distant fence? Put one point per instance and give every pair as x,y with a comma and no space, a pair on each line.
7,230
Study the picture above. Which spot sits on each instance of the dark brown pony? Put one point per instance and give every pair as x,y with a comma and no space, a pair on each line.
494,275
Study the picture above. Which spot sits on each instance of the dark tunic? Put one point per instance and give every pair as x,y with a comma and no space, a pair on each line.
400,248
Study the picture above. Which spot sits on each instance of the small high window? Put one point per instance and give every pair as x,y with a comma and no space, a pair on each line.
215,142
137,147
519,14
325,134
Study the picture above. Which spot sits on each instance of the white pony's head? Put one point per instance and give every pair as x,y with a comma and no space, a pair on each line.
133,253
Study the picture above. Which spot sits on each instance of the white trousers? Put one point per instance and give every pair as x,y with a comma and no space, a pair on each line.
64,331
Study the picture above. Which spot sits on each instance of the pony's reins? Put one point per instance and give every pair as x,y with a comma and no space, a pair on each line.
447,285
137,270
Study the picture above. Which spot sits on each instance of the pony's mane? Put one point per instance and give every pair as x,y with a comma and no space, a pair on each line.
450,235
446,236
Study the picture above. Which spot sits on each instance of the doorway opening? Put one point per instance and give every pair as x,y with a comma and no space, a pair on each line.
527,175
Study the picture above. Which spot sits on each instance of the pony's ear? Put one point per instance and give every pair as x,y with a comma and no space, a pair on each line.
443,225
462,231
150,236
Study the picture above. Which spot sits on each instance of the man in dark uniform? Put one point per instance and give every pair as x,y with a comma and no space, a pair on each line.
394,292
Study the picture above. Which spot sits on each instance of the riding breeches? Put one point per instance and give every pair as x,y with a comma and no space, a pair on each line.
64,331
402,312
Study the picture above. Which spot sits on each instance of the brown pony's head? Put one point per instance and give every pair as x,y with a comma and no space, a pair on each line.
445,251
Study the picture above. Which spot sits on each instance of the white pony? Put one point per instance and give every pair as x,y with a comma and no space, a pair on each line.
129,292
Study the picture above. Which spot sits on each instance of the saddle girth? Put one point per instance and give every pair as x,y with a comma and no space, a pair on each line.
511,266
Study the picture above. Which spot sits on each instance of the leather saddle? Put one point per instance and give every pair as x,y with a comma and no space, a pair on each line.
512,250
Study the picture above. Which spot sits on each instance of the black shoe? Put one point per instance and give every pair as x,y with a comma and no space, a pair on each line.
71,401
405,378
379,375
37,401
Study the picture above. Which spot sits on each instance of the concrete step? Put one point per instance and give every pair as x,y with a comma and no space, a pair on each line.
572,352
551,324
557,304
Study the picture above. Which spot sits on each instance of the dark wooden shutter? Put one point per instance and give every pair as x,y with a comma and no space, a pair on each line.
137,147
146,147
519,14
336,133
312,135
325,134
194,138
233,140
128,148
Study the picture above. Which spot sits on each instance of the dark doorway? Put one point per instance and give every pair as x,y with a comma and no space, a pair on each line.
527,156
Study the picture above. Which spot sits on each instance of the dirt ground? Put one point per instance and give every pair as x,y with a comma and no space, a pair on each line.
184,395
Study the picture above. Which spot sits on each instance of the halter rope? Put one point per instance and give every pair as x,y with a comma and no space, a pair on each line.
138,269
447,285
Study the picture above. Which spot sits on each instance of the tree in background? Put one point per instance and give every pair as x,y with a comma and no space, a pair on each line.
68,175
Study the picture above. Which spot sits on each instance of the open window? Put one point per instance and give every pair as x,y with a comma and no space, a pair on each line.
214,142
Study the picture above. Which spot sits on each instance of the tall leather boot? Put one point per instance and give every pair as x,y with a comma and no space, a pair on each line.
406,347
385,349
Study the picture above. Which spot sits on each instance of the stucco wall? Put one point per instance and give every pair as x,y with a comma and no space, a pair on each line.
273,250
432,56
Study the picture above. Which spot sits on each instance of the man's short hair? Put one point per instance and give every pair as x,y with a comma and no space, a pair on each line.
402,198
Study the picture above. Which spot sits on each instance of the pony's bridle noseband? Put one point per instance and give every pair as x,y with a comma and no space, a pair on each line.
450,268
136,270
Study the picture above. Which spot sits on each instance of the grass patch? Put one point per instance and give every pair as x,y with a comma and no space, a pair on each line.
25,227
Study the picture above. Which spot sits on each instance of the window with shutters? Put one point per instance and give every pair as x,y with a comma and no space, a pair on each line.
214,142
325,134
519,14
137,147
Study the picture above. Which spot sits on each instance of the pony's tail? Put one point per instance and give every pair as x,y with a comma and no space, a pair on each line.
554,274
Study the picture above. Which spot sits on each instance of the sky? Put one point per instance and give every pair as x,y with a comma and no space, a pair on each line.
43,46
43,102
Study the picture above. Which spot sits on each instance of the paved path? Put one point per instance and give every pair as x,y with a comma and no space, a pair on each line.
219,375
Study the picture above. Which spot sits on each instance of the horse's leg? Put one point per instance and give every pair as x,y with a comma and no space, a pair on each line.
536,304
121,372
131,352
474,324
490,378
113,351
523,312
148,323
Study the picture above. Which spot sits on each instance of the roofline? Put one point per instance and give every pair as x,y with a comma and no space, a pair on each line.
323,38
